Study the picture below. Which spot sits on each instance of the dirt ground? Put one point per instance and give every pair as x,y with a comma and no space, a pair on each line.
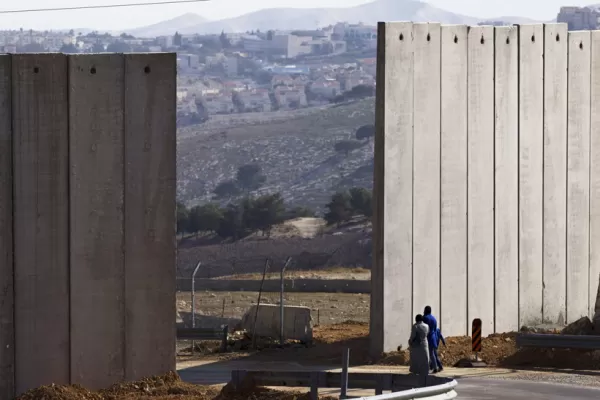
325,273
169,387
216,308
498,350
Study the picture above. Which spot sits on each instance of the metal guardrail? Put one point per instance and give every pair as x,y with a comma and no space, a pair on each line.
444,391
549,341
401,384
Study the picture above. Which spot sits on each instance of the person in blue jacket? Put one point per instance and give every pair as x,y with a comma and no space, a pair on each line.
433,340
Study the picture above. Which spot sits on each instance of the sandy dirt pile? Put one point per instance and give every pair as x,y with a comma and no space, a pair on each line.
169,387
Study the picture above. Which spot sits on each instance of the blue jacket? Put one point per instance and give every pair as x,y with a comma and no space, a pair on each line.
432,336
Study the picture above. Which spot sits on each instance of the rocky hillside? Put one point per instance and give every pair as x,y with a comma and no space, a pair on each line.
295,150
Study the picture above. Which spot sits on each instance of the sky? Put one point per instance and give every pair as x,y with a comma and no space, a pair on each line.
124,18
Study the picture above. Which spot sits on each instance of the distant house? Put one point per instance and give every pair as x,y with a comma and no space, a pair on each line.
290,97
326,88
221,103
253,100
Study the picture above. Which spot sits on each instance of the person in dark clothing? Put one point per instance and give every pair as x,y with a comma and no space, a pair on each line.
433,340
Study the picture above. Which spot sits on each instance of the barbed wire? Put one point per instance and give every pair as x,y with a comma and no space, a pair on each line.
98,6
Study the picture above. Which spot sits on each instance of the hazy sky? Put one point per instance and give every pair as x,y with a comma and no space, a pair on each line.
217,9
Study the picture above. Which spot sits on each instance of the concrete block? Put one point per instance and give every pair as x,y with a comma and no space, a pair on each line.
150,185
480,182
426,166
41,219
7,343
578,175
555,173
391,275
594,172
507,179
297,322
531,161
453,309
96,211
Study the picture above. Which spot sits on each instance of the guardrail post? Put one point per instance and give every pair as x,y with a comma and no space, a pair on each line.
345,365
314,385
224,342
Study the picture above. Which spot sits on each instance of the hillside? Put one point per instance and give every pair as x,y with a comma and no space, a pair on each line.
169,27
295,150
309,18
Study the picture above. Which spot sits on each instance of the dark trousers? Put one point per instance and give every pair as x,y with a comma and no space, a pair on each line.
434,359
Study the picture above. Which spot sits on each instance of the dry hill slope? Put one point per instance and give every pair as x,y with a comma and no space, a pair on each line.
297,155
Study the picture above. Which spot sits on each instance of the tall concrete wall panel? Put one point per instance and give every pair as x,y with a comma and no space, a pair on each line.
480,176
594,171
426,167
150,184
519,180
506,162
531,161
555,174
97,219
578,175
453,256
7,328
41,219
391,275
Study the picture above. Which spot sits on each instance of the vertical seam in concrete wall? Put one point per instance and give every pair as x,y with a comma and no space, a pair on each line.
567,193
412,193
494,181
70,365
543,159
467,190
590,155
440,318
518,173
124,219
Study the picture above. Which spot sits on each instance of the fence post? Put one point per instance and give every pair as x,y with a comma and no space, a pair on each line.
267,262
194,300
281,338
345,365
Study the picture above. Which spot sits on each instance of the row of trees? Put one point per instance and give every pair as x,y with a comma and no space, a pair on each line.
259,214
238,219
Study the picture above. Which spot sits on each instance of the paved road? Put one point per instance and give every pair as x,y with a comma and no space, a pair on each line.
469,387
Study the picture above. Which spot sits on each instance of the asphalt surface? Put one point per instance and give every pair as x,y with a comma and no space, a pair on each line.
469,387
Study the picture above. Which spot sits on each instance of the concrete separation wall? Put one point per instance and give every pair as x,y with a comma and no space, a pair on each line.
297,322
290,285
487,177
87,183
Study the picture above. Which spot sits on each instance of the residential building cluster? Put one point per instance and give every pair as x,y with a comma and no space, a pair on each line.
580,18
290,87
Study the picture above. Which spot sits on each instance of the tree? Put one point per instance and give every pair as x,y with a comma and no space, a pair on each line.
234,221
194,224
177,39
182,218
69,49
299,212
264,212
340,209
209,216
98,48
118,47
249,177
226,189
365,132
225,43
361,201
346,146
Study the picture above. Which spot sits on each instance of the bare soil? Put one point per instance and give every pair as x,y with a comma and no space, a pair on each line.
222,307
498,350
169,387
357,273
